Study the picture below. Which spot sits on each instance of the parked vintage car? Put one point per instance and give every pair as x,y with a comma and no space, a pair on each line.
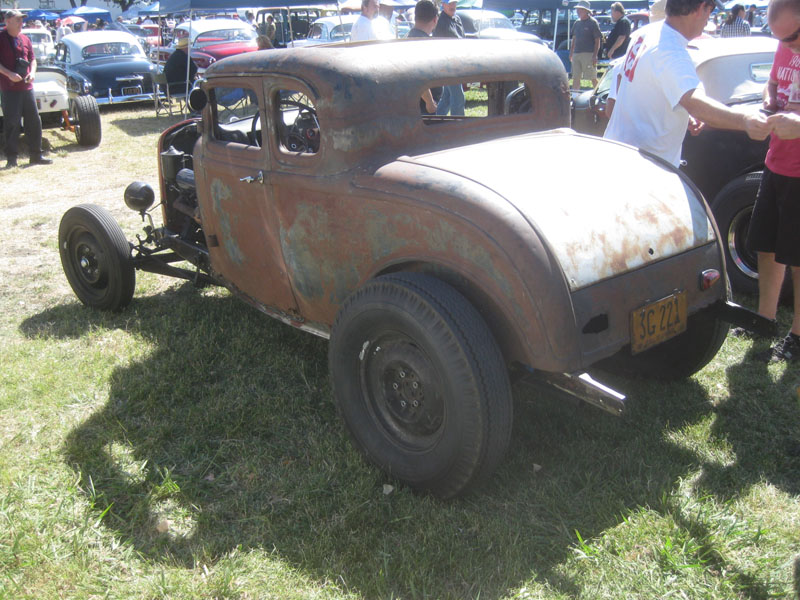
314,188
492,25
109,66
78,114
725,165
43,47
327,30
212,40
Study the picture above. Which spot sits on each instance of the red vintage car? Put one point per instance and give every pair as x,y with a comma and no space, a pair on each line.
212,40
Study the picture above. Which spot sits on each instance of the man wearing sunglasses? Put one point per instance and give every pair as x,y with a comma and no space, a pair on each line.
17,69
660,93
774,232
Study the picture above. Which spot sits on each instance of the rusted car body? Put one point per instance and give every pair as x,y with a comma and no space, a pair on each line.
435,252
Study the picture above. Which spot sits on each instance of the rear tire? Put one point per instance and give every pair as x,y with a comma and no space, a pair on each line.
96,258
420,383
85,116
677,358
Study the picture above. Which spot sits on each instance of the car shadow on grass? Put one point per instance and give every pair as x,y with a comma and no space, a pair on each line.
224,436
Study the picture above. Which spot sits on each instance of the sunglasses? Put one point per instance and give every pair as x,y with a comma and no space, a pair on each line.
791,38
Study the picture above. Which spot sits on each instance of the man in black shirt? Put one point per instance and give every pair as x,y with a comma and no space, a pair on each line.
617,42
450,26
175,67
425,19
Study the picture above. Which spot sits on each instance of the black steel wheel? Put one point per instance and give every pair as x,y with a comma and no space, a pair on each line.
84,114
421,383
96,258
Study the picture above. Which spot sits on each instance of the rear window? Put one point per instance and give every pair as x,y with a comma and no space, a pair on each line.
111,49
221,36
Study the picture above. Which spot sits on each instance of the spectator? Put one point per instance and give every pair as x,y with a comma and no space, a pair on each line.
586,38
660,93
268,29
617,42
450,26
370,25
750,17
251,19
774,226
176,67
425,19
17,72
99,24
62,29
735,25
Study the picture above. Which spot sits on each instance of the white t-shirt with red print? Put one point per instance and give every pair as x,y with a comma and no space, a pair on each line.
657,72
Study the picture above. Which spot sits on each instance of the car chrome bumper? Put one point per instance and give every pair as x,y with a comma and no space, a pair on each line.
110,99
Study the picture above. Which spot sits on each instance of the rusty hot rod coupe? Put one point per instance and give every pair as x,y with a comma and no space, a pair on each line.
313,187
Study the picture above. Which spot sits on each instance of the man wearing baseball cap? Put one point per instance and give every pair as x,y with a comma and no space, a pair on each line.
586,38
17,71
660,93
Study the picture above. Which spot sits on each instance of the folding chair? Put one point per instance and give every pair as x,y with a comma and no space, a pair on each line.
164,100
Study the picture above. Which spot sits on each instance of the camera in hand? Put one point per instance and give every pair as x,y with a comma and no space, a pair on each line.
22,67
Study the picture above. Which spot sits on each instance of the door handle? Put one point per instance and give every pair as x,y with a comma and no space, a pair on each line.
250,179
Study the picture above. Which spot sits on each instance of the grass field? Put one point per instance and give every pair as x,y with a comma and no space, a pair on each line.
188,447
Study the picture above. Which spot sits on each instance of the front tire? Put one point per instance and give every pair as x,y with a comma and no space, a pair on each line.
421,383
85,116
96,258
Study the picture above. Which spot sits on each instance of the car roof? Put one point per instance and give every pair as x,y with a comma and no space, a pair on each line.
705,49
477,13
335,20
203,25
87,38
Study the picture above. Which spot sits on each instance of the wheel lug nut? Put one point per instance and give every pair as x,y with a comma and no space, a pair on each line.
415,385
402,374
402,403
415,403
395,386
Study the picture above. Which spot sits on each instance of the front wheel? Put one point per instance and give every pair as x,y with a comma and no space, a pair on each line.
420,383
84,115
96,257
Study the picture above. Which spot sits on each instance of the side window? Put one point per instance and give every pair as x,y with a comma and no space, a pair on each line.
467,101
296,122
236,115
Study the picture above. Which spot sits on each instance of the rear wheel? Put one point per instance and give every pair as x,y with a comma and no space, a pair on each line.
678,357
84,114
96,257
420,383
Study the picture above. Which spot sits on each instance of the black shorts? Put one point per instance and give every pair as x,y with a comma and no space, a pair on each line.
775,224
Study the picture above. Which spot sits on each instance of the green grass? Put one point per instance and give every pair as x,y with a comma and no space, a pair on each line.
188,448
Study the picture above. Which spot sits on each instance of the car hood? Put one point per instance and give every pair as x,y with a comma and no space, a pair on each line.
598,219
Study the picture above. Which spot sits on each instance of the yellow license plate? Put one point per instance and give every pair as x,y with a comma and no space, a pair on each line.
658,321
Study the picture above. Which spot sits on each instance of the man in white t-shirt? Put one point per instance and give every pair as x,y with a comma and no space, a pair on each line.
370,25
660,94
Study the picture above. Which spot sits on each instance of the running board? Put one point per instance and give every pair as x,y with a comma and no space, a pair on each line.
583,387
745,318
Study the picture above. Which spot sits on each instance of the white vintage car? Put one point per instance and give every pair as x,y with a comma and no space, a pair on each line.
43,46
79,114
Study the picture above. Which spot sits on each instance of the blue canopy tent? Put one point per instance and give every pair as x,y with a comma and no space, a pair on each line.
41,15
90,13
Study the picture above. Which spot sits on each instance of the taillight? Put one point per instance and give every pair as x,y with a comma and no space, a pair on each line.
708,278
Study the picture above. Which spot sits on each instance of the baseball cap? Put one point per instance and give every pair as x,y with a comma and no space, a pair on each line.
14,13
584,4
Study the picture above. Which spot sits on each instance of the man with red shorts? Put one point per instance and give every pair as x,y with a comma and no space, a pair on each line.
775,226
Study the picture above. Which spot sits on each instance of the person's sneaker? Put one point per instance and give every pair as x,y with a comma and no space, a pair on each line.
40,160
787,349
